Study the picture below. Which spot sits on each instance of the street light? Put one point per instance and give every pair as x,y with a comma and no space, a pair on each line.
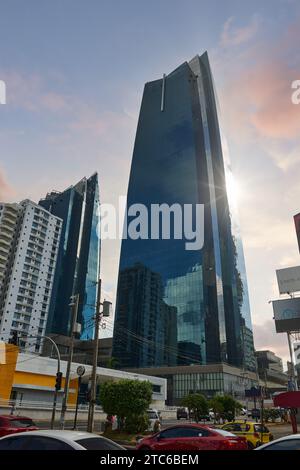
74,306
58,376
80,372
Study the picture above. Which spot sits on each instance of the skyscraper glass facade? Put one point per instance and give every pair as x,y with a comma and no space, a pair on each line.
177,306
78,264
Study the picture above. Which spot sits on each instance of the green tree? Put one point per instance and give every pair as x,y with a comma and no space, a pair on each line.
226,406
128,400
197,404
217,407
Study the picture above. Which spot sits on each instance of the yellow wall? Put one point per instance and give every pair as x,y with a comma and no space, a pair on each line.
73,395
9,355
29,378
9,376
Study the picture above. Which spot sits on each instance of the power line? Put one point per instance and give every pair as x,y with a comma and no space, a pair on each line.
154,344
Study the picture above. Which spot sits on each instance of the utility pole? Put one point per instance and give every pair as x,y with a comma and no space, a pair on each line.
293,378
92,403
74,306
262,415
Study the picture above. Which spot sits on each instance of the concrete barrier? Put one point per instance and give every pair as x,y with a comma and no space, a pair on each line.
44,414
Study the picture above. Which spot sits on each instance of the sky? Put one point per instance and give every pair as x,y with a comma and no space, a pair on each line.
75,72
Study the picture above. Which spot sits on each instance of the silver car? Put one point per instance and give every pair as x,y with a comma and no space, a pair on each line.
291,442
57,440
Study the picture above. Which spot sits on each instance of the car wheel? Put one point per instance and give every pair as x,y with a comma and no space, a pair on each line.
250,446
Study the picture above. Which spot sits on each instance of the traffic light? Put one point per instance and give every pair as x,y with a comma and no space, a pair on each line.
58,381
14,338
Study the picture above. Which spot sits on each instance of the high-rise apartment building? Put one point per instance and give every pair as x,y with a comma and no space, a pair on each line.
9,216
78,264
27,279
178,159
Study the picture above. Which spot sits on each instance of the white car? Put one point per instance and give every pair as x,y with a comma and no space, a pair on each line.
57,440
154,418
246,412
291,442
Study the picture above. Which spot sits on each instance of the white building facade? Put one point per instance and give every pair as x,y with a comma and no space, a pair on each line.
28,280
36,366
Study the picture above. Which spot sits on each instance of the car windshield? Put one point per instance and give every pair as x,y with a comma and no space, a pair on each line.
98,443
21,423
152,415
260,428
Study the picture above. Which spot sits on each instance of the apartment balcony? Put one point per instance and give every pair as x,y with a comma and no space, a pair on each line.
3,258
10,218
4,241
5,236
9,226
7,222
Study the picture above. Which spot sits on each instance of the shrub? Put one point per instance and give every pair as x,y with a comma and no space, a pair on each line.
136,423
127,399
196,403
225,407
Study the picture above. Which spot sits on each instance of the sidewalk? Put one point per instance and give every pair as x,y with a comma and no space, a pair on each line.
280,429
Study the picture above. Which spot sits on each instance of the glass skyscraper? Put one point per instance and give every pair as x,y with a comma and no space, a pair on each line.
78,263
175,306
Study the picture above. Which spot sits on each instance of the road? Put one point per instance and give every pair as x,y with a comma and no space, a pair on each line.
278,430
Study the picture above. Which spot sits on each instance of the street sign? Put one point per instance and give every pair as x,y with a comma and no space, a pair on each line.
287,315
253,392
288,280
80,371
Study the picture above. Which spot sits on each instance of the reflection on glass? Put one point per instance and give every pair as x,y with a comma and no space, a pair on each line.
77,268
178,158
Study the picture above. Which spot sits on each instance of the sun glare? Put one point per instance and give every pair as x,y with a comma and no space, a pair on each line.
233,190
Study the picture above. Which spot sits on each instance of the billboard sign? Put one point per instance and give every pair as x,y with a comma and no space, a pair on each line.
287,315
288,280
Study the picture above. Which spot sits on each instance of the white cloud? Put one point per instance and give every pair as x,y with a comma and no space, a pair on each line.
6,190
235,36
265,337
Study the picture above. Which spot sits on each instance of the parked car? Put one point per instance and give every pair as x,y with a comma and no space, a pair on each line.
10,424
203,417
251,431
182,413
255,413
154,420
291,442
188,437
57,440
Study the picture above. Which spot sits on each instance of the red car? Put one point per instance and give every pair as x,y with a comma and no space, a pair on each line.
192,437
10,424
